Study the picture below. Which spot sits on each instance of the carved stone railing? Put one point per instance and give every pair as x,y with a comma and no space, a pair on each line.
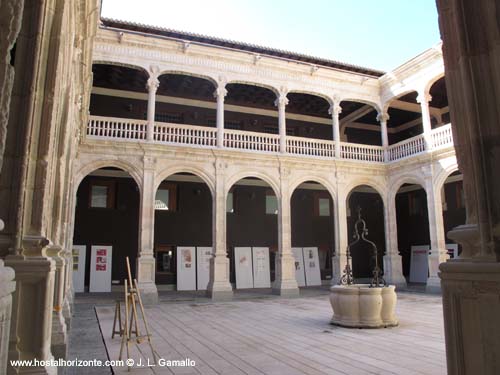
244,140
356,151
311,147
185,134
116,128
100,127
408,147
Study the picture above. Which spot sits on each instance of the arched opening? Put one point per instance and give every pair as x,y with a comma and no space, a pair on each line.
119,91
185,99
252,230
413,231
182,232
358,123
250,108
106,229
438,106
307,116
366,201
453,209
312,224
405,118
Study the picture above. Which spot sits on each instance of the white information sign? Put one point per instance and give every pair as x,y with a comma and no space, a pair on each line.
300,275
186,269
243,267
79,258
261,267
100,269
311,266
419,266
203,256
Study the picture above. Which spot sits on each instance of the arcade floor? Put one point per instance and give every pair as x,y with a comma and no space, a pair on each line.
257,333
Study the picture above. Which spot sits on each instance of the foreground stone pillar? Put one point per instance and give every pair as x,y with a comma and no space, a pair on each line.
219,287
146,264
393,266
7,287
438,253
339,258
285,283
471,284
31,327
59,330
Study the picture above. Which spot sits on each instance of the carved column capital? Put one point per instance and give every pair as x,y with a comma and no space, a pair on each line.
152,84
424,97
220,92
382,117
335,109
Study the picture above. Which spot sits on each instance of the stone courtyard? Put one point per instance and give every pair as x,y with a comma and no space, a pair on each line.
259,334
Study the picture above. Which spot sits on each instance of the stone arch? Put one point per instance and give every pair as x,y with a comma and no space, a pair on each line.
262,175
376,106
432,80
189,73
387,102
444,174
315,178
121,164
379,188
258,84
198,172
318,94
406,179
124,64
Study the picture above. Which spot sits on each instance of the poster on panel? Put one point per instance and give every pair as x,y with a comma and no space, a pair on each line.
300,275
311,266
243,267
186,270
419,266
100,269
79,258
261,267
203,256
452,249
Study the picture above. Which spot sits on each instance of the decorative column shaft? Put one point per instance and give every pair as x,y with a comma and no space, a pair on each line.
339,258
219,286
219,94
335,110
152,86
285,283
383,118
393,267
281,102
424,98
145,261
438,253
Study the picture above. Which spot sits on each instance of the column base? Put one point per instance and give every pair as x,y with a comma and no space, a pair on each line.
393,273
286,288
67,313
433,285
471,307
219,287
338,265
59,340
220,294
149,293
145,279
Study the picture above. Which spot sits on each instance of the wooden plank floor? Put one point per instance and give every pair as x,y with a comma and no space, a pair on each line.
287,336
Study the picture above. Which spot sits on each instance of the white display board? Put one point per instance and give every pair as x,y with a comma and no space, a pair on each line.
452,249
419,266
79,258
243,267
100,268
261,267
311,266
300,275
186,268
203,256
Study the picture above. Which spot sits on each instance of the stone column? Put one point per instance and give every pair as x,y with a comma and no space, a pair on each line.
341,238
393,267
152,86
424,98
59,329
146,264
335,110
281,102
383,118
438,253
219,94
7,287
31,326
219,287
285,283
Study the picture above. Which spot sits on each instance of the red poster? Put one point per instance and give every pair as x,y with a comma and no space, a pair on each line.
100,267
101,252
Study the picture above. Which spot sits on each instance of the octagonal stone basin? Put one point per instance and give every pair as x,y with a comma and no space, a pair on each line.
359,306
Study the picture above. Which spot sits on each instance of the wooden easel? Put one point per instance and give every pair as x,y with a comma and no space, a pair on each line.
132,296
